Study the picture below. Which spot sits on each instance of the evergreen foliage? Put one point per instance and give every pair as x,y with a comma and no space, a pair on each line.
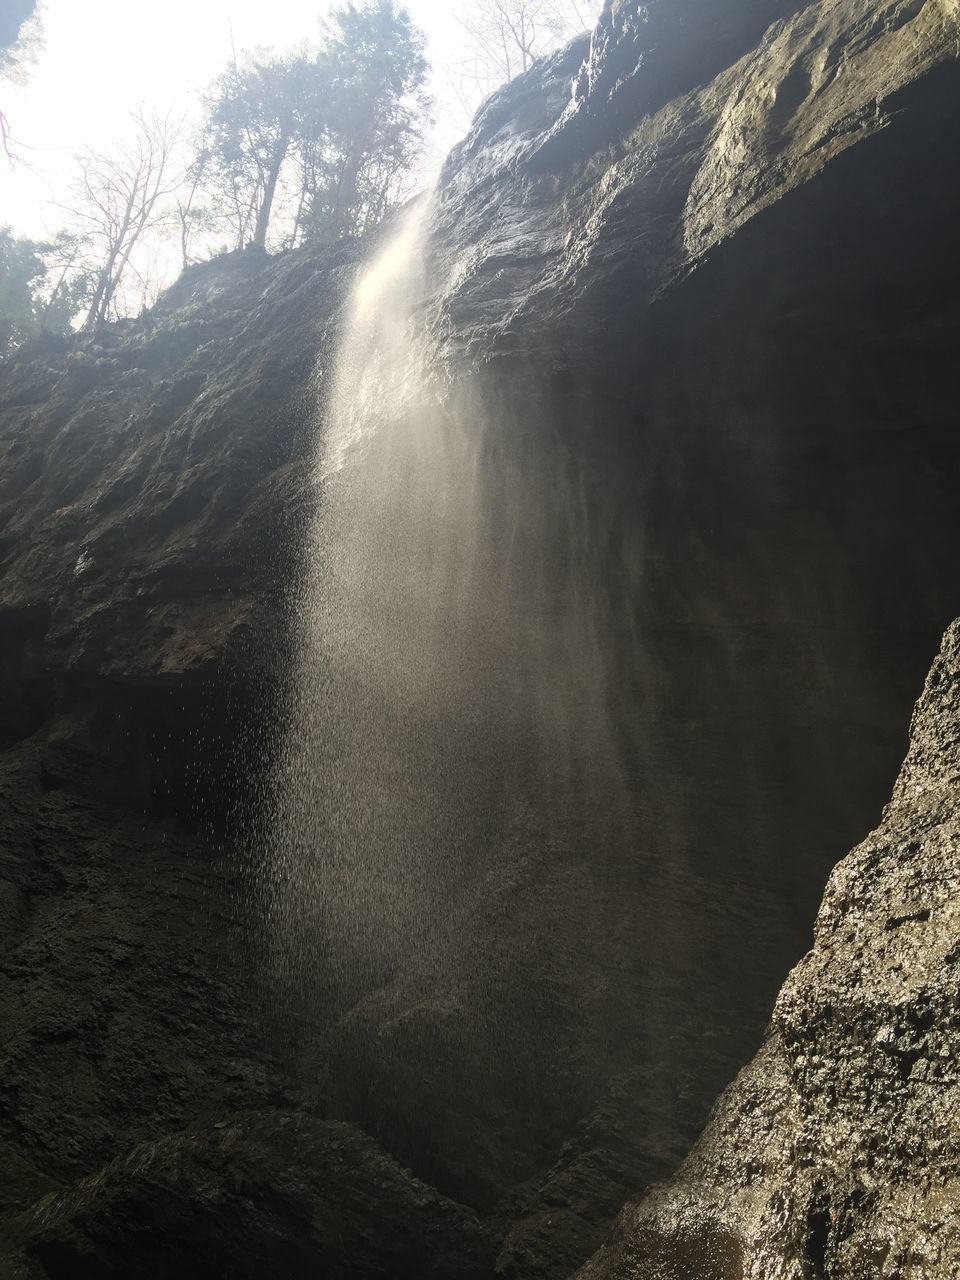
367,127
252,121
39,290
317,144
21,272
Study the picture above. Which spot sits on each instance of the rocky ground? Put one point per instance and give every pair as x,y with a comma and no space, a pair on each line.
254,1195
727,272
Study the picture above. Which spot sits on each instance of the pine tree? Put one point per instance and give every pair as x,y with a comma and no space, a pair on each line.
318,144
21,270
253,120
374,112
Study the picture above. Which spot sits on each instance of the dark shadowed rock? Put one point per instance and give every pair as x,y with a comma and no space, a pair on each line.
712,256
652,169
835,1152
149,507
152,489
156,487
257,1195
734,302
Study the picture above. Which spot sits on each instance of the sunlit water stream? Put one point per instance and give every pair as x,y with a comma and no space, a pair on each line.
462,872
451,697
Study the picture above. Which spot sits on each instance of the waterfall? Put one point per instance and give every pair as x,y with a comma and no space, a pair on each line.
452,813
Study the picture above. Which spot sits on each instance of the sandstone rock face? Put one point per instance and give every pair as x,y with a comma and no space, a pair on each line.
835,1152
711,256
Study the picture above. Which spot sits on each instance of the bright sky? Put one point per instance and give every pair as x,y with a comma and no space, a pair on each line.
103,58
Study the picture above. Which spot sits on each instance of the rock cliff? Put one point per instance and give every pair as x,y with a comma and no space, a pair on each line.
835,1152
713,251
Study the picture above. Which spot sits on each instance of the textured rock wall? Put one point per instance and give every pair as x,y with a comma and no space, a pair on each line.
149,502
723,273
149,480
153,502
835,1152
742,307
671,178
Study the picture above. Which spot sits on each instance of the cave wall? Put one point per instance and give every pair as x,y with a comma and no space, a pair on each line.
153,496
739,315
728,282
834,1151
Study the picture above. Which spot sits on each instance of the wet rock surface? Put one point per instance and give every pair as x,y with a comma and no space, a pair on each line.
835,1152
728,258
615,196
153,491
744,299
149,497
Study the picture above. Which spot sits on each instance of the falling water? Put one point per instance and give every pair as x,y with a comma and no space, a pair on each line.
450,783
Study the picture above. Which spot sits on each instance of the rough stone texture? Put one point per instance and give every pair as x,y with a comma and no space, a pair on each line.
149,484
647,180
153,501
835,1153
148,490
729,260
747,294
256,1195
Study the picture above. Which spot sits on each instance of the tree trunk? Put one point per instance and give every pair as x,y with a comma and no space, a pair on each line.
269,192
102,293
346,189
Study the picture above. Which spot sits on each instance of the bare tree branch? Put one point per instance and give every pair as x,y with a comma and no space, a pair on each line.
119,197
503,38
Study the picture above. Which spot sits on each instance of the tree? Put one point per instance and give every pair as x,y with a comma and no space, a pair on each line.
372,119
252,121
118,198
21,271
68,284
13,14
192,216
317,143
16,47
503,38
41,291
